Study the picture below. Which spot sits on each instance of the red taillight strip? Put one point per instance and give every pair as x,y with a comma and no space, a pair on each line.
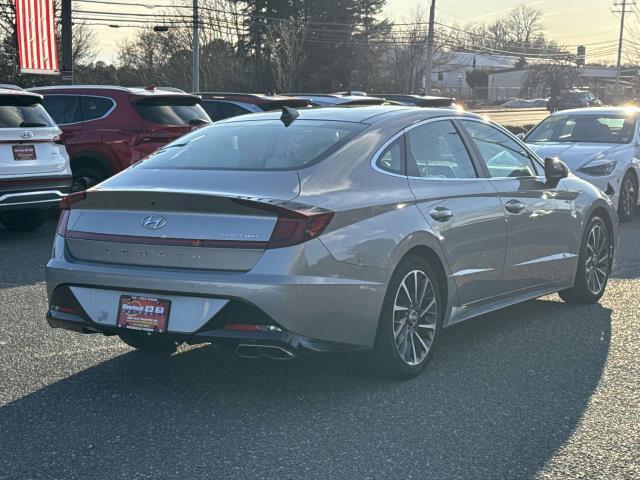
170,242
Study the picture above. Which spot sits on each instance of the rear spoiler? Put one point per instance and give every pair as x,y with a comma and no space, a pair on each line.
20,99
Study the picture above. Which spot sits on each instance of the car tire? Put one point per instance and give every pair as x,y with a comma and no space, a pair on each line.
394,356
594,265
628,197
160,344
23,220
85,178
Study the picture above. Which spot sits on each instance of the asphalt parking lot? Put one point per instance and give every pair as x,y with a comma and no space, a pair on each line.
541,390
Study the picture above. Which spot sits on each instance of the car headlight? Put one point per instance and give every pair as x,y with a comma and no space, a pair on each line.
598,168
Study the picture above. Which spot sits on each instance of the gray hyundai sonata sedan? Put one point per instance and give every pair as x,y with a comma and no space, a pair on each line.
327,229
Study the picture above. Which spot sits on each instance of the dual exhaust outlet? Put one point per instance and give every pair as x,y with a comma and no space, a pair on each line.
274,352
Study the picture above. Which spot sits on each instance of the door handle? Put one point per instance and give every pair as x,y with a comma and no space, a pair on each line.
514,206
441,214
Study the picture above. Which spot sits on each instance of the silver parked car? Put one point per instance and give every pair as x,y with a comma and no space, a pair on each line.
600,145
327,229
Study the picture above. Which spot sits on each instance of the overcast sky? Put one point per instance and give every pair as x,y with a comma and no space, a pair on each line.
570,22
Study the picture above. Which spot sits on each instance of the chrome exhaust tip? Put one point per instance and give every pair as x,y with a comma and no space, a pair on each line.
254,351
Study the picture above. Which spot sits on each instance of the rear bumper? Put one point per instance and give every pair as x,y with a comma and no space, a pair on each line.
33,192
329,302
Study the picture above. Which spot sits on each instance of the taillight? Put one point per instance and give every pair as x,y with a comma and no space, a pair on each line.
297,223
58,140
298,228
65,206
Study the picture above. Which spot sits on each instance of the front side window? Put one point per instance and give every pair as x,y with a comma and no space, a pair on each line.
503,156
255,145
435,150
63,109
172,110
22,112
585,128
95,107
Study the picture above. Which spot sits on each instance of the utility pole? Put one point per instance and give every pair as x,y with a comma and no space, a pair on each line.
622,12
66,40
429,66
195,63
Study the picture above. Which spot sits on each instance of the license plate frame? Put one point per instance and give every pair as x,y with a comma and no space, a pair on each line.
24,152
143,313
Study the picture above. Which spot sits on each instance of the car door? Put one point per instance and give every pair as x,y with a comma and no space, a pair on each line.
541,220
461,207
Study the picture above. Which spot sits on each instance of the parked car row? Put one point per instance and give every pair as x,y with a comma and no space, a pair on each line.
298,229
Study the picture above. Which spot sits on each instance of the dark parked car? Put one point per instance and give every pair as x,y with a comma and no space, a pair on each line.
220,105
338,99
108,128
574,99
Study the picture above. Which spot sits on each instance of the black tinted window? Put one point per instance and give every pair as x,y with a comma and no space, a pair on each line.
435,150
219,110
259,145
95,107
174,110
20,112
63,108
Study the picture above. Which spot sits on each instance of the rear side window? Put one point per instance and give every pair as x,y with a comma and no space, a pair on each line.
173,110
63,108
391,159
435,150
219,110
255,145
22,112
95,107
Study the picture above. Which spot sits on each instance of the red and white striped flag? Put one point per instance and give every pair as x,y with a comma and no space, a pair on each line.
35,24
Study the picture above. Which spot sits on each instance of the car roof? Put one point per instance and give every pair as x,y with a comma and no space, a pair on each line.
139,91
598,110
251,97
357,114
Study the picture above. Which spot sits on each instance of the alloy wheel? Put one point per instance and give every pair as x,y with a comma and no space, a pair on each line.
628,196
597,259
415,313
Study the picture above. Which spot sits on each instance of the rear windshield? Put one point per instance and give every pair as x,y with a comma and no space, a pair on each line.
174,110
255,145
22,112
589,128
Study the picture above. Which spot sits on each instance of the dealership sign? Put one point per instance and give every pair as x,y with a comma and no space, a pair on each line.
35,25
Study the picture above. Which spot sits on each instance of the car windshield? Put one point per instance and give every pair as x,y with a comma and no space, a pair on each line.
23,112
589,128
255,145
173,110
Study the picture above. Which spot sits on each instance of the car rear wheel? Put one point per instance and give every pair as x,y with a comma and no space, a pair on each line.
628,197
410,320
23,220
594,265
146,342
85,178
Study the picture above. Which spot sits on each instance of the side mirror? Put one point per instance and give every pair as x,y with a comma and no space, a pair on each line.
520,135
555,170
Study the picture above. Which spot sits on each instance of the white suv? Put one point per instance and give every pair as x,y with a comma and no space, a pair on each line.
34,166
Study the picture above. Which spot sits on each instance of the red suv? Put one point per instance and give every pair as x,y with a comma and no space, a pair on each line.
107,128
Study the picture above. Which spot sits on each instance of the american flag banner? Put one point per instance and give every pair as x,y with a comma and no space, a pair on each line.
35,24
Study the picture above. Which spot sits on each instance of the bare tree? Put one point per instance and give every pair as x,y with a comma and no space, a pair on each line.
285,41
553,76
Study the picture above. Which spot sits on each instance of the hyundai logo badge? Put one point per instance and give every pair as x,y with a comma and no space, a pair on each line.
154,222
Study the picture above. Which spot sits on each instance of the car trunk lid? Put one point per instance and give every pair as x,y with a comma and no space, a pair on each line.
215,220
